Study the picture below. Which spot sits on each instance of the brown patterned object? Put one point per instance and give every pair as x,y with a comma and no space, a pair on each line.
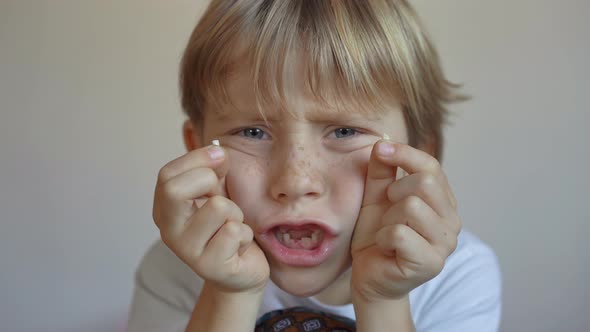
300,319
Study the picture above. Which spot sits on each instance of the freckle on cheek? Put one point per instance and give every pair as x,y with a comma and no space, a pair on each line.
251,169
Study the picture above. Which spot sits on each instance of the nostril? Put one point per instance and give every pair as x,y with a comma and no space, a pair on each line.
290,185
282,196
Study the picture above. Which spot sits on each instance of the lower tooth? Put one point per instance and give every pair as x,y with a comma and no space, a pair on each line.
286,237
306,242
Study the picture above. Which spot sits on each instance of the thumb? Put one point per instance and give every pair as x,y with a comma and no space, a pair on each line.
379,174
221,171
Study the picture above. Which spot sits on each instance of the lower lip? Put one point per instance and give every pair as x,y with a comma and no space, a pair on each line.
298,257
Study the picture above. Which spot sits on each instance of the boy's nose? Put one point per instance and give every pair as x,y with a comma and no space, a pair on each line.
297,177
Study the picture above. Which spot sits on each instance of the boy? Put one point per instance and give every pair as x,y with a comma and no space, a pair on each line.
301,220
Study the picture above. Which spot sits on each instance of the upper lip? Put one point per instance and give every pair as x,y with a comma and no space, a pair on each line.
295,222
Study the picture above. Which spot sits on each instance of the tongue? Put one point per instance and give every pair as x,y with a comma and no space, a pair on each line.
301,238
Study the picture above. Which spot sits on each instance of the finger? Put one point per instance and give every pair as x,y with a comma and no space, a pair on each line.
367,225
246,240
411,251
416,214
410,159
379,174
413,160
210,157
207,221
427,186
231,239
189,185
173,200
375,203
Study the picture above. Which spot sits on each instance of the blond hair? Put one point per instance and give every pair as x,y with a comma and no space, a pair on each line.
364,51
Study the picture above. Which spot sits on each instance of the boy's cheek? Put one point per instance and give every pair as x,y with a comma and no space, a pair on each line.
359,162
348,180
245,179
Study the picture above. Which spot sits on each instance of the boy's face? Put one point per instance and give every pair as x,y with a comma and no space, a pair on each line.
299,180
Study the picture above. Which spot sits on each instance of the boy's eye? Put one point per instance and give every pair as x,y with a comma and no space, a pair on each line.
255,133
344,132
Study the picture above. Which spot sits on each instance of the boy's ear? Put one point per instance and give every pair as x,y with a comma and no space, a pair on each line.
191,135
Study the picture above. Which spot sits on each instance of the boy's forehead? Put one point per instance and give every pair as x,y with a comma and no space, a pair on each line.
298,104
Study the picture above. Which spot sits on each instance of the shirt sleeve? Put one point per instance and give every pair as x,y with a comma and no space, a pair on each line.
165,293
466,296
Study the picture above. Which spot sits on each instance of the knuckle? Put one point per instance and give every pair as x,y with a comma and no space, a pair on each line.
232,228
426,181
227,207
247,230
210,175
168,189
218,203
412,204
165,174
237,214
433,164
399,234
452,241
454,224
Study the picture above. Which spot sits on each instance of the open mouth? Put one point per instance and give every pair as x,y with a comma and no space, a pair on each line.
306,244
307,237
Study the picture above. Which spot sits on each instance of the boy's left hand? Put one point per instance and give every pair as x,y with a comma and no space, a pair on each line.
406,228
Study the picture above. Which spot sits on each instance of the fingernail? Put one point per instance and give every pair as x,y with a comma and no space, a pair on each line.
385,149
215,152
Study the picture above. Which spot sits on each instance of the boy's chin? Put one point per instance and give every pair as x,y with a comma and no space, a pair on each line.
298,287
303,282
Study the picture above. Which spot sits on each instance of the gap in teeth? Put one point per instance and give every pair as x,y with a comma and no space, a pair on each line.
299,238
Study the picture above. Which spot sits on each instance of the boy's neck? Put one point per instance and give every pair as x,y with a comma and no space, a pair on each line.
338,293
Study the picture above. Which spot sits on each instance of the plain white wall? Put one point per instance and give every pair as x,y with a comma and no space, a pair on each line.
89,112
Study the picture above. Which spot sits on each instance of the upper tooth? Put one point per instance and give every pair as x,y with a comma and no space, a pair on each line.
286,237
314,236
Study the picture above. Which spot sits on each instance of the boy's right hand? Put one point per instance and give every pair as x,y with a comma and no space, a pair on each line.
211,239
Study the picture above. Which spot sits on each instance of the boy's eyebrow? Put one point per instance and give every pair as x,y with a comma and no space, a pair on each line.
313,116
248,115
340,116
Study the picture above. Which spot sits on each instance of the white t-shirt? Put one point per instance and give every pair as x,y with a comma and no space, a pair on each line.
465,296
